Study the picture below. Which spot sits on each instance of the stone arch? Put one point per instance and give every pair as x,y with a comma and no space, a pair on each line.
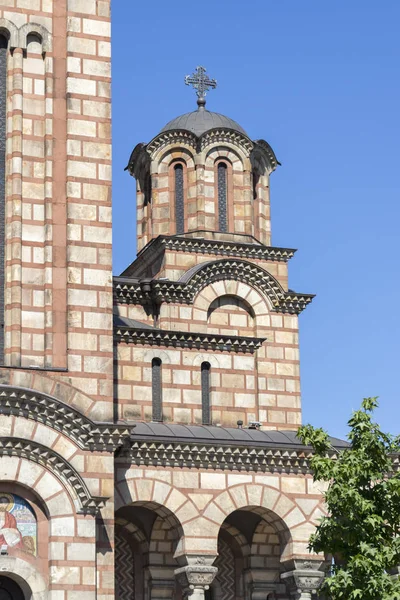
10,30
241,541
204,357
37,29
243,292
227,152
274,507
229,313
26,576
211,143
134,531
202,275
162,161
156,353
213,306
42,460
42,403
167,501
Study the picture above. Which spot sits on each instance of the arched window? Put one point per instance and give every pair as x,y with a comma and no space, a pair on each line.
222,176
179,199
156,384
205,393
256,179
18,519
3,121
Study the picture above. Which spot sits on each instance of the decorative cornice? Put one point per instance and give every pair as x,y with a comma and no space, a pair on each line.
228,456
228,249
131,291
265,149
179,339
223,135
178,136
88,435
34,452
186,137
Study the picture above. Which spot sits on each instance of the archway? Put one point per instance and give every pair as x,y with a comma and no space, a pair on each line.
252,543
10,590
147,537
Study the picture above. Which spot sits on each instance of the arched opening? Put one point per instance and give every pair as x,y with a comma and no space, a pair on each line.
231,315
34,43
251,545
18,524
205,393
179,193
10,590
222,184
148,537
156,389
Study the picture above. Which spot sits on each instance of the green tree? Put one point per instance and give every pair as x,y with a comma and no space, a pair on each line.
362,528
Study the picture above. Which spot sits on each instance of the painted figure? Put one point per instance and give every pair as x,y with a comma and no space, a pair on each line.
9,533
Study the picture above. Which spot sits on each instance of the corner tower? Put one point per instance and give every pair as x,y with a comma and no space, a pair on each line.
205,323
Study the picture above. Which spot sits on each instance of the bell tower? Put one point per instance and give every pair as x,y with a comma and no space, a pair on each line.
205,322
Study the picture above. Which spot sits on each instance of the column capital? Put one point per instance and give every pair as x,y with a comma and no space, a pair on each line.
196,578
305,579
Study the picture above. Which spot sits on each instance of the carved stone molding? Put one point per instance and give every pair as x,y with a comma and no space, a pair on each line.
133,291
220,135
228,249
48,458
229,457
305,580
60,416
195,578
183,339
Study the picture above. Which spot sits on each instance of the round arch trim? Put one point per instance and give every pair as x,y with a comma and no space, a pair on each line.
203,274
25,575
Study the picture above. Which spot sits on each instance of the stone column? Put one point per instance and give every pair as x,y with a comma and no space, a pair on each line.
195,579
304,580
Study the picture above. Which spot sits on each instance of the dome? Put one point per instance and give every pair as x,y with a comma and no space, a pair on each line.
202,120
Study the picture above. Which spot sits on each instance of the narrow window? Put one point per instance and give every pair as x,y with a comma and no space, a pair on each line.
222,197
256,179
3,120
205,393
156,389
179,199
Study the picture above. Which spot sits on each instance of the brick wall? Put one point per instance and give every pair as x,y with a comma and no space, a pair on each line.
58,219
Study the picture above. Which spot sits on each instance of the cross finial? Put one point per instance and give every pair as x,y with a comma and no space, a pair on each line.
201,83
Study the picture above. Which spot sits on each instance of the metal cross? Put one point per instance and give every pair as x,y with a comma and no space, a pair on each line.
201,83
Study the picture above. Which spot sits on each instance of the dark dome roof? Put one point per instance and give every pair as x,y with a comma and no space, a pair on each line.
202,120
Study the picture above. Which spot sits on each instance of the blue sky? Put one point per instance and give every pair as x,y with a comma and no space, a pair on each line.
320,82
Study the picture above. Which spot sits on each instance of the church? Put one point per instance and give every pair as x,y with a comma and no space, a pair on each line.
148,421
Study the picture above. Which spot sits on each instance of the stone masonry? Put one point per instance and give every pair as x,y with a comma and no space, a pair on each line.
148,445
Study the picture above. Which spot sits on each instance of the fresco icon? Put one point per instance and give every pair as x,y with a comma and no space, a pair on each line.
18,527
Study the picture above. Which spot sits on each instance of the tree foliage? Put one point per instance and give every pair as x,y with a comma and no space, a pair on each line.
361,531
